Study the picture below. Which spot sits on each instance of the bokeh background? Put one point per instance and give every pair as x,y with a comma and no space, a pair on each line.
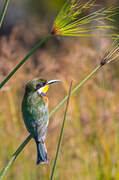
90,147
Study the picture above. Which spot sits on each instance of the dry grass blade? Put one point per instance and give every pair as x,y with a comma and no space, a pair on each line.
75,19
61,133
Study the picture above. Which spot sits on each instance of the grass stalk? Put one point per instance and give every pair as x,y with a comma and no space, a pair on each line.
75,89
3,12
21,147
61,133
24,60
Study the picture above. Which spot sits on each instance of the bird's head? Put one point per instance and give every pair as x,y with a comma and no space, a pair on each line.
39,85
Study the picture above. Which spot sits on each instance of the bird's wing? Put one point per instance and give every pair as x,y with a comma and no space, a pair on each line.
42,122
35,114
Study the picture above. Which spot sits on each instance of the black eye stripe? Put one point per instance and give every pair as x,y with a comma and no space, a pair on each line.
42,84
39,85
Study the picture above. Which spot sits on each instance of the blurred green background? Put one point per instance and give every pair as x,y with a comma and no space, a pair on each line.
90,147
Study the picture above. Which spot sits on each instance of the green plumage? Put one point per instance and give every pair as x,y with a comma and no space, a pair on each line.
36,118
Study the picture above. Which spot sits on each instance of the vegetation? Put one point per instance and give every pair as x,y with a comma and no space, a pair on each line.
90,146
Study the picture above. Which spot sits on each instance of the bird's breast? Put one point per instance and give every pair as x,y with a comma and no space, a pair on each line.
45,99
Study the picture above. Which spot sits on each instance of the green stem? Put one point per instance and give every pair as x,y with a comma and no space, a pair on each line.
24,60
4,170
3,12
11,160
75,89
61,133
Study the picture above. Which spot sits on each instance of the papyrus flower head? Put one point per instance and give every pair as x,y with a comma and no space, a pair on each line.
77,18
112,53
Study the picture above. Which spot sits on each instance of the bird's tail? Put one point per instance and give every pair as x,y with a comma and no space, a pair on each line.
42,157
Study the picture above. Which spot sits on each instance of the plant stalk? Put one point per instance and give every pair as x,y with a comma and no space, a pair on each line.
3,12
61,133
4,170
24,60
75,90
14,156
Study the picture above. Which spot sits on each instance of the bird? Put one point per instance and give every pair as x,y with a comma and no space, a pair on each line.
36,115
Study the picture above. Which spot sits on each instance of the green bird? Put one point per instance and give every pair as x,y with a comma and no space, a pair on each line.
35,114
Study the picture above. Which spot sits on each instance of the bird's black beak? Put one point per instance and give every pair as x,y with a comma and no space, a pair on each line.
52,81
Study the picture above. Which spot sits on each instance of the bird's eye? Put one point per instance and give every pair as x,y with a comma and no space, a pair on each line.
39,85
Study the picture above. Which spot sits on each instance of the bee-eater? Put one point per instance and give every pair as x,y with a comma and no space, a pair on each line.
35,114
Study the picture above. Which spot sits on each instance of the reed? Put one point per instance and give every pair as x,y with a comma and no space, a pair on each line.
3,12
72,21
61,133
111,54
75,19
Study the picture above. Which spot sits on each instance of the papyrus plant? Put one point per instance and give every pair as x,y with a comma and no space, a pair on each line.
111,54
3,12
76,18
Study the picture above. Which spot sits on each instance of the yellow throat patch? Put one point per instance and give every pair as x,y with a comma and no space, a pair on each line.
43,89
